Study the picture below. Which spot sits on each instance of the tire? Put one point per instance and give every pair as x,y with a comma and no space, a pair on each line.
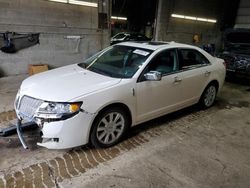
109,127
208,96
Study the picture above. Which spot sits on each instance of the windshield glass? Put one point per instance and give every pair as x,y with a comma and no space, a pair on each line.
118,61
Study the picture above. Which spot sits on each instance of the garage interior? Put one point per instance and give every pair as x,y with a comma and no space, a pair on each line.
188,148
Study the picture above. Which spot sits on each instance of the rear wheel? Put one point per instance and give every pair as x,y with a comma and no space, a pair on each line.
109,127
208,96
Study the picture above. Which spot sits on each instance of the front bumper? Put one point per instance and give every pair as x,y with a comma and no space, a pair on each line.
20,134
67,133
64,134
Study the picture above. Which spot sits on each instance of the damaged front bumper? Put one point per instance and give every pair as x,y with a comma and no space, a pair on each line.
62,134
20,134
63,125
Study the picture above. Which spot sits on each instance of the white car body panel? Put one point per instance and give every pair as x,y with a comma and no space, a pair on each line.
156,98
145,100
65,83
75,127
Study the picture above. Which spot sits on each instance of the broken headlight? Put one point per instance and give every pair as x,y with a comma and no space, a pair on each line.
53,110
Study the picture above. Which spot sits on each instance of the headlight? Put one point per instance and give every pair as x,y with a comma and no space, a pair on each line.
51,110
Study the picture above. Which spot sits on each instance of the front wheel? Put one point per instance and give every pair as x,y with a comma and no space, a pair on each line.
109,127
208,96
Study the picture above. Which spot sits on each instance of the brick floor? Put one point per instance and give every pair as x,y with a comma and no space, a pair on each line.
77,161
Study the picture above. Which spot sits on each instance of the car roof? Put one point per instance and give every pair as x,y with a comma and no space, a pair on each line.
155,45
130,33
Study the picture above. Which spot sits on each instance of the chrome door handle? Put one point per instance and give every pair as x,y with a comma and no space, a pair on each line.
177,79
207,73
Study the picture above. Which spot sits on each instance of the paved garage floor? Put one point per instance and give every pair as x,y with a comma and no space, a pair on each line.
190,148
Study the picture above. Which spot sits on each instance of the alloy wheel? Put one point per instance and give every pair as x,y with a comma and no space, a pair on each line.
110,128
209,96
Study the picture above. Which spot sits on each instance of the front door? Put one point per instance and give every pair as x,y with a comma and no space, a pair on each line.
155,98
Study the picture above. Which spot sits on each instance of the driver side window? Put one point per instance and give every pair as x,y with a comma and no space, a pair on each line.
165,62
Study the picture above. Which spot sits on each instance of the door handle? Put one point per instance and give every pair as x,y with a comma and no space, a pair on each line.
177,79
207,73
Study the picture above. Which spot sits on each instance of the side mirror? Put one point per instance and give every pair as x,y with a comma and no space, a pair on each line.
153,76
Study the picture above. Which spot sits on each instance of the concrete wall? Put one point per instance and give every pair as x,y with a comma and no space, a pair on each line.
180,30
54,22
243,15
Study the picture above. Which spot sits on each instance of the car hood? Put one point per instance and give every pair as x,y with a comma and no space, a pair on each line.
237,41
65,84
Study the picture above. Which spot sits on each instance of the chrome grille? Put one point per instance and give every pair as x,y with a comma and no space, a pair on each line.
28,107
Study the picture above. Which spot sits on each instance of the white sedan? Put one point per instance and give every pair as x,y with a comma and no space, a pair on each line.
97,101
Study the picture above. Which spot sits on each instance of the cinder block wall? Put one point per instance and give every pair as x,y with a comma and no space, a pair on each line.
180,30
54,21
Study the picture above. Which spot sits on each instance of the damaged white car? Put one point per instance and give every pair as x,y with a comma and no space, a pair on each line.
126,84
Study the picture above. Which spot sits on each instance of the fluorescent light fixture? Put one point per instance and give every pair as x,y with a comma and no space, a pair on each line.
202,19
178,16
60,1
212,21
76,2
193,18
118,18
190,18
84,3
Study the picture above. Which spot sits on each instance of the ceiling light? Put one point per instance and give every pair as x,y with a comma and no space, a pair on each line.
60,1
202,19
212,21
84,3
118,18
193,18
190,18
178,16
76,2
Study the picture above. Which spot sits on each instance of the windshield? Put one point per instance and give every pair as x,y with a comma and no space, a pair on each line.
238,42
117,61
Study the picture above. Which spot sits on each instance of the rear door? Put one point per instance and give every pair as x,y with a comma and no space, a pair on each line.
195,70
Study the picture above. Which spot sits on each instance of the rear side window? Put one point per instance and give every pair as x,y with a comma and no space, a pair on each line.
189,59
